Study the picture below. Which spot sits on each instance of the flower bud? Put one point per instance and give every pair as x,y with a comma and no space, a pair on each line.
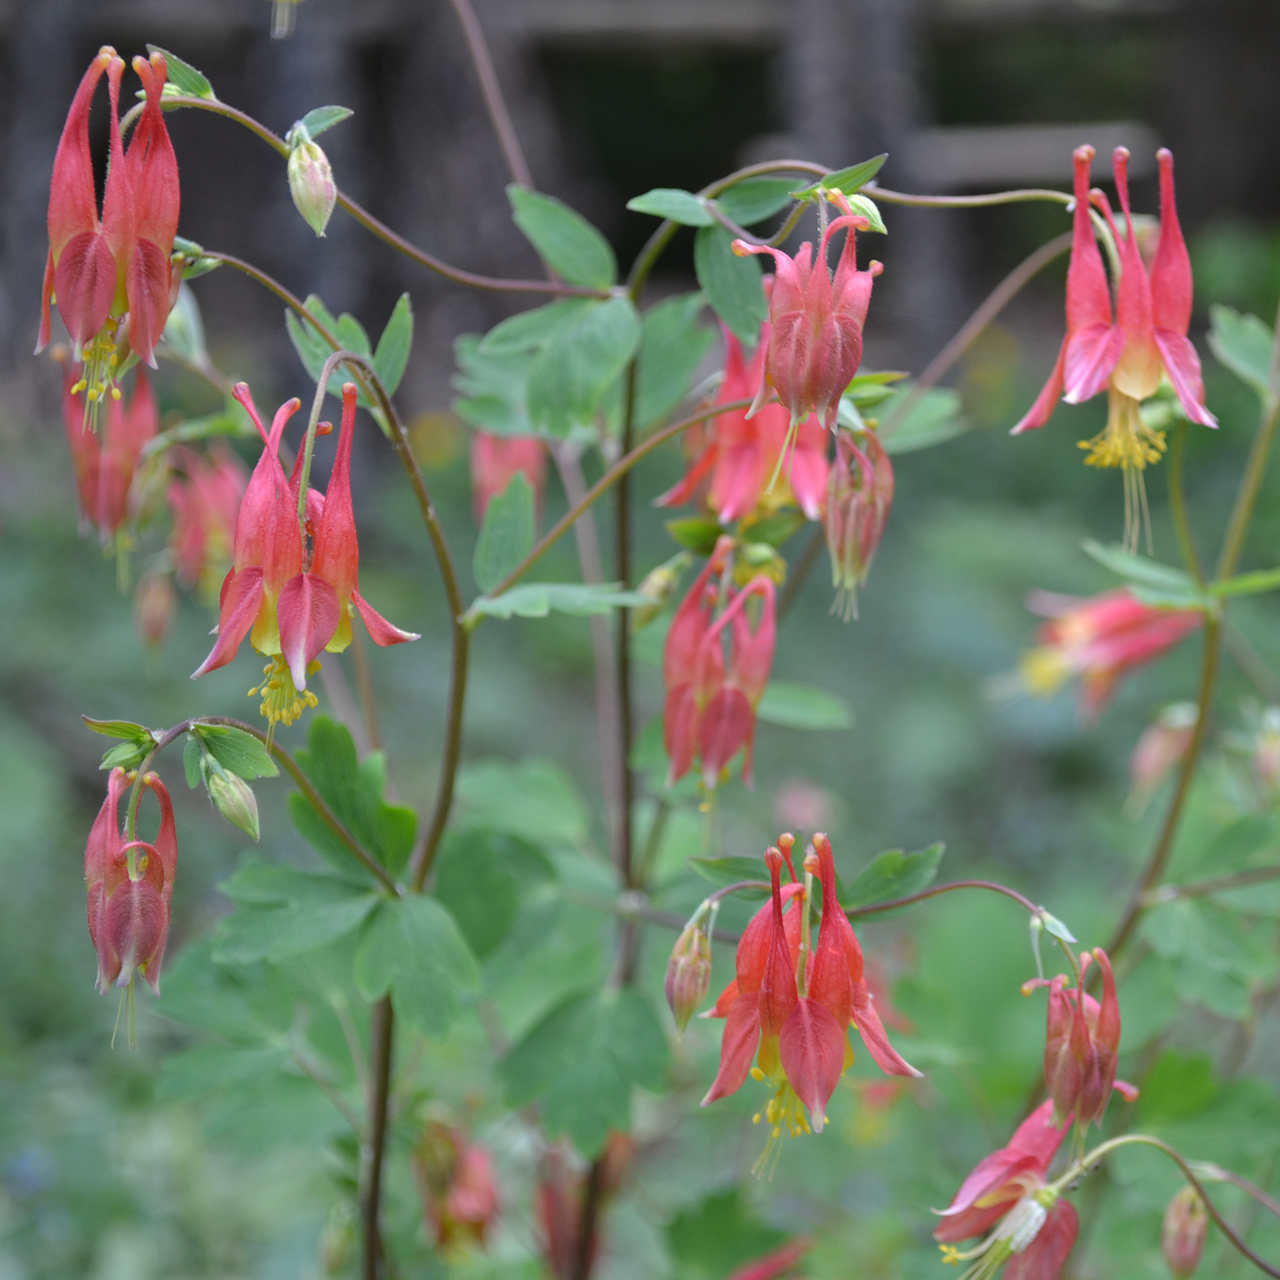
859,495
153,604
689,971
1266,753
660,586
1162,745
1186,1221
311,181
231,796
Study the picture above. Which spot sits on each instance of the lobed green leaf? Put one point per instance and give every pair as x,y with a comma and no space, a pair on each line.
565,240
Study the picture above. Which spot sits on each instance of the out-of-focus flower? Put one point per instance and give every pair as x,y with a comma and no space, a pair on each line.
1186,1222
154,601
558,1198
744,450
1031,1228
775,1263
99,270
1266,753
105,462
803,806
815,338
1082,1042
710,709
204,500
495,459
130,886
456,1180
1099,639
859,495
1162,745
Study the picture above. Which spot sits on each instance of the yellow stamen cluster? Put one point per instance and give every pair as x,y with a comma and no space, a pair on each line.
281,701
784,1114
1044,669
1126,441
98,378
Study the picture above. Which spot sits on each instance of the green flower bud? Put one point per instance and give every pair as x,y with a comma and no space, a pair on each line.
231,796
311,180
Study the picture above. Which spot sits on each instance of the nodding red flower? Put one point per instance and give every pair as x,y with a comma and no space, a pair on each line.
1034,1229
1099,639
746,448
495,459
290,603
130,886
859,495
710,711
204,501
1148,337
105,462
798,1018
101,269
1186,1222
1081,1045
457,1183
815,339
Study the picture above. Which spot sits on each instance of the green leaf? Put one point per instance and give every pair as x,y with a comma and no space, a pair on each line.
125,755
752,201
670,202
480,877
579,1064
392,355
532,330
506,536
776,529
539,599
933,418
671,348
184,329
412,948
238,751
1247,584
234,1002
493,387
732,284
569,376
534,799
566,241
319,119
192,754
848,180
868,209
870,389
1159,585
183,76
699,533
121,729
719,1236
729,870
354,791
894,874
1243,344
803,706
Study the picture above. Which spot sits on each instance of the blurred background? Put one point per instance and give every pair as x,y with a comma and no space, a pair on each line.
104,1174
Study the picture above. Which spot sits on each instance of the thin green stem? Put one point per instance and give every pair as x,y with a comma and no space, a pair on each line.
382,231
1206,888
622,633
1178,503
1087,1162
309,441
877,192
603,485
375,1151
877,907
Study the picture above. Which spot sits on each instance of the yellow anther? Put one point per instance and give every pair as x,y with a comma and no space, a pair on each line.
757,1074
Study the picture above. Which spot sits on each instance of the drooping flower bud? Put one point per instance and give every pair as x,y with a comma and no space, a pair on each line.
659,585
689,969
310,180
1266,753
1186,1222
1162,745
232,797
859,495
456,1180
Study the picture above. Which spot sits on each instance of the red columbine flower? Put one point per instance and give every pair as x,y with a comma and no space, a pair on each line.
105,463
495,459
1148,338
289,604
457,1184
204,502
1007,1191
130,886
710,711
1186,1222
815,340
1099,639
859,495
99,270
798,1018
1081,1045
745,450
